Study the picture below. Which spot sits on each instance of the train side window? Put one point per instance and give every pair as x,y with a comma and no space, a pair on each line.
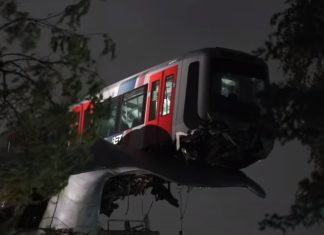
167,96
154,100
109,124
112,119
132,109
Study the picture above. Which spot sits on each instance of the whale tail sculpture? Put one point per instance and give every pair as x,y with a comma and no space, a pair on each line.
77,206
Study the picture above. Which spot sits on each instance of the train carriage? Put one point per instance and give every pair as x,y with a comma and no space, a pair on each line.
209,104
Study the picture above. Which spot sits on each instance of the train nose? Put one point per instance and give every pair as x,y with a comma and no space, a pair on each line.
226,141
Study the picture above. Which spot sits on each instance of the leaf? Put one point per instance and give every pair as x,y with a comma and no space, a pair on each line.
9,9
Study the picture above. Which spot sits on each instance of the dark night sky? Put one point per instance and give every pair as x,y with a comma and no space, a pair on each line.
148,32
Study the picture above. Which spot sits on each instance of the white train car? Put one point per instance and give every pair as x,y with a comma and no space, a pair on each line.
213,93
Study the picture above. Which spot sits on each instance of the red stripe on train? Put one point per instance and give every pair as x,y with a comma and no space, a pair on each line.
141,80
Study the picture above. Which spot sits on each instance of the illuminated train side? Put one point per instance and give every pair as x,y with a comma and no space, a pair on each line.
182,101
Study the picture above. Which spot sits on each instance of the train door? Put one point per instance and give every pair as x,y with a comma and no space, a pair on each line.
161,100
167,99
154,99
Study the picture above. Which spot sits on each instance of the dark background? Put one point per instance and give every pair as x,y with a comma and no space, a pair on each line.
148,32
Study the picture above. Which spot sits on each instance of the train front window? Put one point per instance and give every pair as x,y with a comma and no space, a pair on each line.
237,80
236,88
239,87
229,87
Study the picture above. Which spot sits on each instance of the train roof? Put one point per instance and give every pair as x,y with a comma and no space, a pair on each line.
215,52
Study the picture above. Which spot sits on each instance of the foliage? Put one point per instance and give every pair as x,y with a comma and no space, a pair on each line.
297,43
125,185
46,65
306,211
